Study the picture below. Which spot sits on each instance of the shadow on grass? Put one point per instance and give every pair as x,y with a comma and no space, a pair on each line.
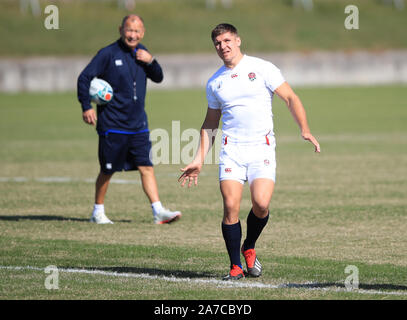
50,218
362,286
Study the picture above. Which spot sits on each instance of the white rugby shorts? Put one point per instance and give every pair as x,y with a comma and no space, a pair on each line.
246,162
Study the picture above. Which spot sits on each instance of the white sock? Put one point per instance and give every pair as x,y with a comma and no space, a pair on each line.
156,206
98,208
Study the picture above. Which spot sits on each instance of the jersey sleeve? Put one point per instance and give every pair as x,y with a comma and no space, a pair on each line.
272,76
95,68
153,70
213,102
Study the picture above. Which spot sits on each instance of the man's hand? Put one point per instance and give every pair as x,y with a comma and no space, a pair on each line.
308,136
89,116
190,174
144,56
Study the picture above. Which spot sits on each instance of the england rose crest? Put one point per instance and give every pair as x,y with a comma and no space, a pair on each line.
252,76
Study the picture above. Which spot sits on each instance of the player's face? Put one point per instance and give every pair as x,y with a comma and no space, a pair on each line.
132,32
227,46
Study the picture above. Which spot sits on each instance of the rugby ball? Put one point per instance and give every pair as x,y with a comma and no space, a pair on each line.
100,91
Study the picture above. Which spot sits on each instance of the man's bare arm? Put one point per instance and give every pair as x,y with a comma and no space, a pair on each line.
297,110
208,133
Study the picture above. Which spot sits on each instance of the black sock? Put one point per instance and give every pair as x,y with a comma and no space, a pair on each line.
232,233
255,226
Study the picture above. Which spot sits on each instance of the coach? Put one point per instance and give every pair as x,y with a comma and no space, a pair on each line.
122,125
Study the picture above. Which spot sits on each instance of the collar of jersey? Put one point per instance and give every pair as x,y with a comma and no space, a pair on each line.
237,67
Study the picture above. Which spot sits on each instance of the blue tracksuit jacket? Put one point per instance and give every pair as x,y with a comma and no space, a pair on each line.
117,65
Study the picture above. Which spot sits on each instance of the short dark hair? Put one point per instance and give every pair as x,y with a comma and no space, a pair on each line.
223,28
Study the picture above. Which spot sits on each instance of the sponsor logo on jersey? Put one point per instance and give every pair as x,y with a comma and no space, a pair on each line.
266,162
228,170
252,76
234,75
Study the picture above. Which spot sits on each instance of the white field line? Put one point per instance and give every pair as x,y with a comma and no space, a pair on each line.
218,283
65,180
86,180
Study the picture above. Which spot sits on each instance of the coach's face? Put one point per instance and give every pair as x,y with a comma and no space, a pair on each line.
132,32
227,46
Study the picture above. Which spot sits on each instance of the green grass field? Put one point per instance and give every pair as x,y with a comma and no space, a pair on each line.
345,206
184,26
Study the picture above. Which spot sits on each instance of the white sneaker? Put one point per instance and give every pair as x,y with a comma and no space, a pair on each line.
166,216
99,217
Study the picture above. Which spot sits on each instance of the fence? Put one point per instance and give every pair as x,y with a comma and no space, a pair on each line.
50,74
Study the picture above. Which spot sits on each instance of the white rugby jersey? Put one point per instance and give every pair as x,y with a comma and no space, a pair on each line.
244,94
